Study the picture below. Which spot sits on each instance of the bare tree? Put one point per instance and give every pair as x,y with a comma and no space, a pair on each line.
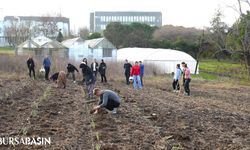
172,33
242,28
16,31
234,40
217,34
83,33
48,26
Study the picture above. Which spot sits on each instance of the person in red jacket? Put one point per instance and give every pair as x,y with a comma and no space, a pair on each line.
135,72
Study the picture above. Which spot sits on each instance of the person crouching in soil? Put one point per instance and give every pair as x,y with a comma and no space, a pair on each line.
59,78
108,99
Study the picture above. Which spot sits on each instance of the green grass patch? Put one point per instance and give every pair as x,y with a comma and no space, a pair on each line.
7,50
205,76
211,68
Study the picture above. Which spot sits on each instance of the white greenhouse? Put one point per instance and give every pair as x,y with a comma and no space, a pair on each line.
164,60
99,48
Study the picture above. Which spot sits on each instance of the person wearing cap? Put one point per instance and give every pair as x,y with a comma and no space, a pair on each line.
127,67
135,72
108,99
71,70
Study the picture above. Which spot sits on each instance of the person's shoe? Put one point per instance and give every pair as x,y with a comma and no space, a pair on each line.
74,81
114,111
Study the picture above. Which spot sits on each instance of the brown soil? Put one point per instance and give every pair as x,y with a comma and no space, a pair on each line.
215,116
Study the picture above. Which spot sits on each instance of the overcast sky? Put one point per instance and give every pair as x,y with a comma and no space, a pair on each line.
188,13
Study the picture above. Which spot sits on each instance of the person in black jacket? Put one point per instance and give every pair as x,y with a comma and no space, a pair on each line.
81,66
102,70
71,70
89,79
127,67
31,66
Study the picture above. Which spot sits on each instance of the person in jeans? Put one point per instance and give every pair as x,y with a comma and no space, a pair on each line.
102,71
71,70
94,67
127,67
89,79
187,80
31,66
108,99
135,72
46,65
141,71
177,77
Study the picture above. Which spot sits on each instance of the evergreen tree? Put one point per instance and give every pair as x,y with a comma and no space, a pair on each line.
59,37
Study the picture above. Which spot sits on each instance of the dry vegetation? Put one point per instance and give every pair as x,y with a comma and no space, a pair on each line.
215,116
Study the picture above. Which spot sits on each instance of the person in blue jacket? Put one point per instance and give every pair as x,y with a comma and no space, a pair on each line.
46,65
141,71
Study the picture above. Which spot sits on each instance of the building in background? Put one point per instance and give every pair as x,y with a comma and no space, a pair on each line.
17,29
100,19
161,61
99,48
39,21
41,46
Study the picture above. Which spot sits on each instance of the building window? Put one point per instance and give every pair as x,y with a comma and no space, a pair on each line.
136,18
142,18
153,18
107,52
103,27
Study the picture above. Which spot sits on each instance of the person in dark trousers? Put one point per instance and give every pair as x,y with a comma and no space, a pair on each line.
127,67
108,99
94,67
141,71
46,65
81,66
187,80
102,71
71,70
183,72
177,77
31,66
89,79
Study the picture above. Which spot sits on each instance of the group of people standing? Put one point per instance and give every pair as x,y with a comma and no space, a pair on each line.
136,72
108,99
186,78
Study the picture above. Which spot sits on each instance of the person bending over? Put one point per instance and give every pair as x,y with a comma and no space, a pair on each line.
108,99
59,78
